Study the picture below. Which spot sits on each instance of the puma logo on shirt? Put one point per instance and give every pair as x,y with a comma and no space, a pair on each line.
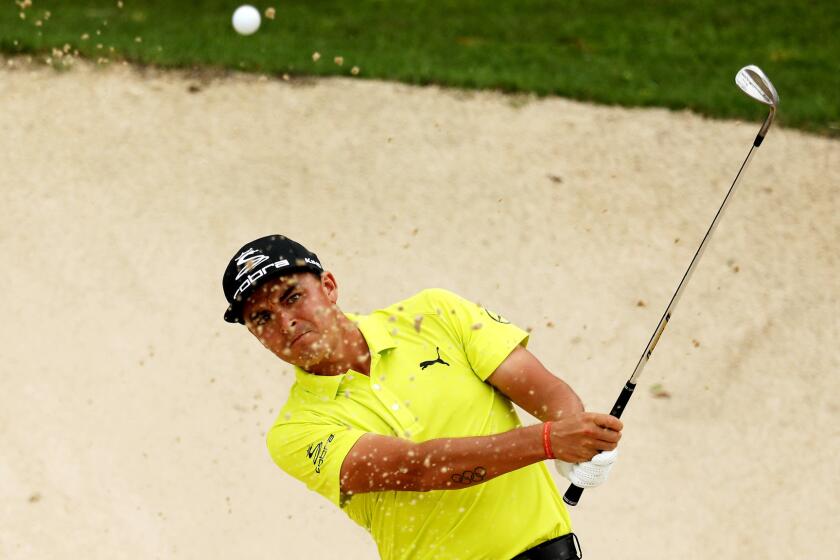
427,363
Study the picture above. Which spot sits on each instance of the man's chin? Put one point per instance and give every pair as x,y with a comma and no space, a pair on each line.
305,359
305,354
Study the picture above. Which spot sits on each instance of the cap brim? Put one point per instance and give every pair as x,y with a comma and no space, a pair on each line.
234,314
234,310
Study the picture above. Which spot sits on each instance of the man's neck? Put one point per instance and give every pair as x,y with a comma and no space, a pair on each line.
352,352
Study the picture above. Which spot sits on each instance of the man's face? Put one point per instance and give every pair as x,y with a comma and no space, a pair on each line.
295,317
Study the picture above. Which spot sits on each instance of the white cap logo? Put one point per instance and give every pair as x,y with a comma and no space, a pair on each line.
248,261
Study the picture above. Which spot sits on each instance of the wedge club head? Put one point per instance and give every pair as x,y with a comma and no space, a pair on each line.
757,85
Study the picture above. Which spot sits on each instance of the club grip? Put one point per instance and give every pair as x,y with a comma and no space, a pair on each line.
622,399
573,493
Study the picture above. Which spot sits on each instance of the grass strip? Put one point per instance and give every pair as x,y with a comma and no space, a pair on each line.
679,55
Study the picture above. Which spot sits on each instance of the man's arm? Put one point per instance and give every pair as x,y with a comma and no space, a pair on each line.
525,381
377,463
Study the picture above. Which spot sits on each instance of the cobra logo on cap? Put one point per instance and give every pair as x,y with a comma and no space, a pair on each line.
248,261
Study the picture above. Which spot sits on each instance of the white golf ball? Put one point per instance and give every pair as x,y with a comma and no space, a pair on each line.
246,19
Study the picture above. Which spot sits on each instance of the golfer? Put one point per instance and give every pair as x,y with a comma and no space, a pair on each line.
403,418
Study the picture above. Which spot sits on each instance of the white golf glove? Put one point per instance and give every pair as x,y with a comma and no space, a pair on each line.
590,474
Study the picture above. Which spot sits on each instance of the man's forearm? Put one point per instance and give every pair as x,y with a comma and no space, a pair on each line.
525,381
451,463
378,463
558,402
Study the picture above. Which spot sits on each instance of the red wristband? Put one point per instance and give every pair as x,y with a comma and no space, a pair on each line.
549,454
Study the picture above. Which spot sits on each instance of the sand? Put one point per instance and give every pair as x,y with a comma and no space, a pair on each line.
132,418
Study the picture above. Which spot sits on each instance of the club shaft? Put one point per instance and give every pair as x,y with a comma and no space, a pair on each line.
663,322
573,493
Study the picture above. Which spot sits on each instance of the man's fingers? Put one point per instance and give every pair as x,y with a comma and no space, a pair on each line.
606,434
608,421
605,431
607,445
585,436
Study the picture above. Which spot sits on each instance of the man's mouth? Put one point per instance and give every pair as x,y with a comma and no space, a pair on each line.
298,337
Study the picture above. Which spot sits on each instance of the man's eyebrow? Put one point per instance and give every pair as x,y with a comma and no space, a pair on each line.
287,292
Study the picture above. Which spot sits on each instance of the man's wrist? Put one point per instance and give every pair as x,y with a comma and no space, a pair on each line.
546,434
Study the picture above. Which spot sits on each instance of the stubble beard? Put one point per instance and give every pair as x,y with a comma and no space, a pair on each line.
314,353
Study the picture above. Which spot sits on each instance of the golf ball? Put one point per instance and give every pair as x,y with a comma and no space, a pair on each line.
246,19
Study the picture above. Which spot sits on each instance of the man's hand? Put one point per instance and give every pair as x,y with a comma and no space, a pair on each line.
591,473
579,437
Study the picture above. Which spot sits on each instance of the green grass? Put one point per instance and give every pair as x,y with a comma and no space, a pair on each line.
681,55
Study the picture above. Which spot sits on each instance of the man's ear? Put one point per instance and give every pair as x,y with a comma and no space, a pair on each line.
330,286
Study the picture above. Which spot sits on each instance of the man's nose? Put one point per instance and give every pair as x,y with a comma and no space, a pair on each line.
289,324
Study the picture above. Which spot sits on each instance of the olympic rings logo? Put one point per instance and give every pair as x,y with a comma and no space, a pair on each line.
468,477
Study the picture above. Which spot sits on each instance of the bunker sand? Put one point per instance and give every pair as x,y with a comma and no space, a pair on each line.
132,418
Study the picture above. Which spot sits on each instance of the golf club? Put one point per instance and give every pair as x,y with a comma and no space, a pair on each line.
754,83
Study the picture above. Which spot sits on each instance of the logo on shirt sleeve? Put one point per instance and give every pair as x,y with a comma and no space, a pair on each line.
496,317
318,452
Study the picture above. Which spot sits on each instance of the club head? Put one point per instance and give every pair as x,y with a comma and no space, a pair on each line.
757,85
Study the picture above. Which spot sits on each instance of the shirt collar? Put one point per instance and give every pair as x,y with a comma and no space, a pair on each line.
378,340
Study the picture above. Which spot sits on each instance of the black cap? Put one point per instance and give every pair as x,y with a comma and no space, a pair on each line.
257,261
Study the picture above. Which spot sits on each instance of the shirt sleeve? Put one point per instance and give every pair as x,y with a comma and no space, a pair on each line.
313,453
487,337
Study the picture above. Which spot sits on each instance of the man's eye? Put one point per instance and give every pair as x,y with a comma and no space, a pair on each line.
293,298
262,318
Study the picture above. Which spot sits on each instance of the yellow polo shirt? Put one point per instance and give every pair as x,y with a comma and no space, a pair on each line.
430,357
